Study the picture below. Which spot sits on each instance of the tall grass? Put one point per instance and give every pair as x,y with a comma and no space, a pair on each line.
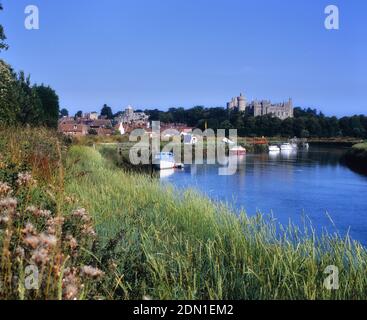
43,239
160,243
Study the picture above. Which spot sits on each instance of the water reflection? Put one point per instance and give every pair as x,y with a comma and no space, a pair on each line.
164,174
288,184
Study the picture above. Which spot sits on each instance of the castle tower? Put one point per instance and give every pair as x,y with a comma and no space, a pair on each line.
290,107
241,103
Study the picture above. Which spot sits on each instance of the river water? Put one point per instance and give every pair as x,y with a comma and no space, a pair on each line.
290,186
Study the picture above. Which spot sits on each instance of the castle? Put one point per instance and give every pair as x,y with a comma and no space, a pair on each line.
261,108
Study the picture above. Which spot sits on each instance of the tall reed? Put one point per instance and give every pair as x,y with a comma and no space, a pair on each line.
167,244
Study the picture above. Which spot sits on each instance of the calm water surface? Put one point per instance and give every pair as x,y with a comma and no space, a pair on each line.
288,186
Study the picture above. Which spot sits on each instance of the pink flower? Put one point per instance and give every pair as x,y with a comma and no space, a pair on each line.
91,272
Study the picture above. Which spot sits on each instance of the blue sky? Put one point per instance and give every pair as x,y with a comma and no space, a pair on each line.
172,53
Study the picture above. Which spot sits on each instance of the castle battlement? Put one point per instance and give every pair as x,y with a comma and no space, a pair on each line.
256,108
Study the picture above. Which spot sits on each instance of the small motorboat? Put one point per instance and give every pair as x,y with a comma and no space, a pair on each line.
274,148
237,150
286,147
164,160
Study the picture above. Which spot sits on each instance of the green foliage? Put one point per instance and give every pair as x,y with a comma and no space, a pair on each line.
3,45
106,112
356,157
79,114
306,122
22,103
49,105
30,105
9,102
64,113
92,132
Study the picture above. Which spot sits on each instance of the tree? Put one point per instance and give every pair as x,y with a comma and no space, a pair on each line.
9,104
118,114
313,127
287,127
30,105
226,125
92,132
64,113
49,105
3,45
79,114
107,112
299,126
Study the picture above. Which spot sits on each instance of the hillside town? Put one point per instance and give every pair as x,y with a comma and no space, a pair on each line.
125,122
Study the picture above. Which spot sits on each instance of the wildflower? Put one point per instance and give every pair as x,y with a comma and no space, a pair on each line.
88,230
19,252
82,214
32,241
40,256
70,291
38,212
25,179
29,229
8,204
70,284
57,221
53,224
4,219
5,190
91,272
72,242
48,241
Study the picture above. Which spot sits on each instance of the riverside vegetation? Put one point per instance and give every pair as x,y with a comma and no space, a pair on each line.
143,240
357,156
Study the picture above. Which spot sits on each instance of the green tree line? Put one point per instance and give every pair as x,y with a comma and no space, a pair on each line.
20,101
306,122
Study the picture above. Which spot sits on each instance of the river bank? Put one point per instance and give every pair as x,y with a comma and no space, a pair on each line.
187,247
155,242
356,157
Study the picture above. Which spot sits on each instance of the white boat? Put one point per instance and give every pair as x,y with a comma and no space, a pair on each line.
237,150
274,149
164,160
294,146
286,147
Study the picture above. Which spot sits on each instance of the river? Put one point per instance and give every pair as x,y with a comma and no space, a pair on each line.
290,186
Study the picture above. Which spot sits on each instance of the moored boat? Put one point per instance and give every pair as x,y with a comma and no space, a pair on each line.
294,145
286,147
164,160
274,148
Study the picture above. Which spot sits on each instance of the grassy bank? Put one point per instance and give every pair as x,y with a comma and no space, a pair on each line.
356,157
95,231
168,245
